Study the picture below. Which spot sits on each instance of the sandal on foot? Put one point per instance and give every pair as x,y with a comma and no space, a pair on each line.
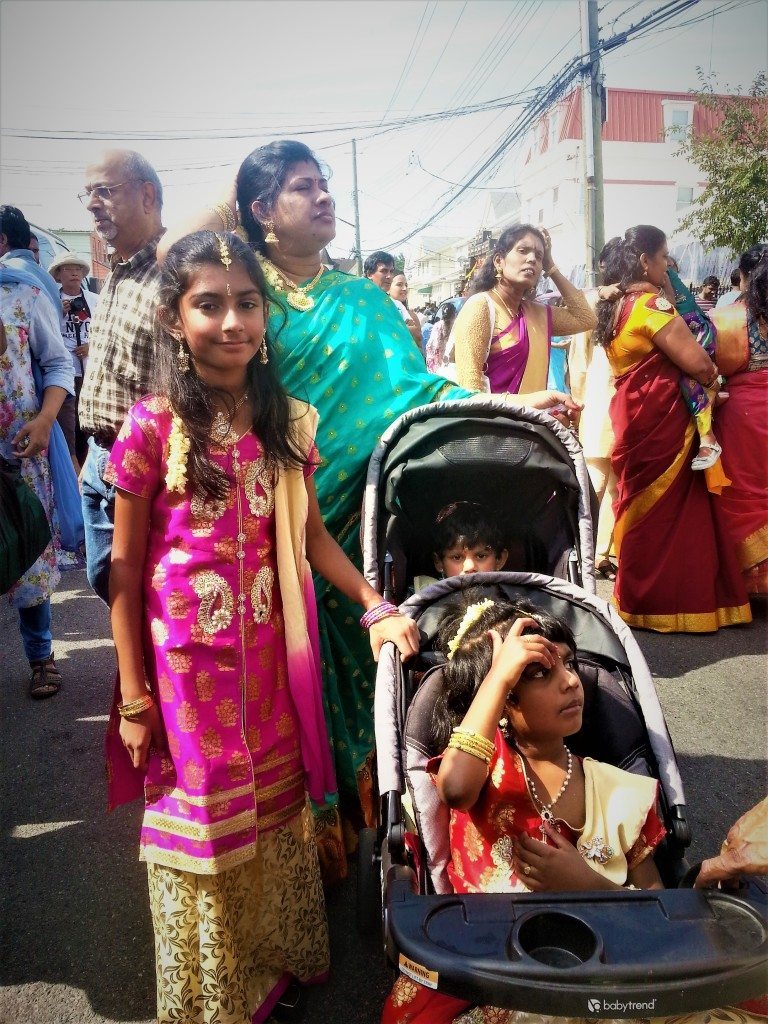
292,1004
45,680
707,461
606,569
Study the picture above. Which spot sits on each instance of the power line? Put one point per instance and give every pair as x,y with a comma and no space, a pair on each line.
555,88
409,60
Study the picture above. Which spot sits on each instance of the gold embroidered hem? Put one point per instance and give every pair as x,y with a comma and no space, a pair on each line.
223,942
688,622
754,548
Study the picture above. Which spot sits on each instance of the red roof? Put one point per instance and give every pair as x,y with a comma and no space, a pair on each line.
633,115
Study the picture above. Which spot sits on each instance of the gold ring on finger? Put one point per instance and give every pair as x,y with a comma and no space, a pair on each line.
527,870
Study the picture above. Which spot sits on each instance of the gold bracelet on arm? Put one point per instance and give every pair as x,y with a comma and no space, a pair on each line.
136,707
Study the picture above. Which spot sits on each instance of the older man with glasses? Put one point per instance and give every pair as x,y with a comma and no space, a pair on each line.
125,197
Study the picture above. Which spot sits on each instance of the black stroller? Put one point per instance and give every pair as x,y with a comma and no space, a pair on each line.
520,464
600,954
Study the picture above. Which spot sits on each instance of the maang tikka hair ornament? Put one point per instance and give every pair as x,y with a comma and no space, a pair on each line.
226,259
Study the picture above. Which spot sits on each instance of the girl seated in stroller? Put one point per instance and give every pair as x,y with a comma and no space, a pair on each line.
526,815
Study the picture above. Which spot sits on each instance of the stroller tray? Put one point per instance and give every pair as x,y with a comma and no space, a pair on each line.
602,954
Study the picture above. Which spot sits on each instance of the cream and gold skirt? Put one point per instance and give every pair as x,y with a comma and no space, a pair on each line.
224,942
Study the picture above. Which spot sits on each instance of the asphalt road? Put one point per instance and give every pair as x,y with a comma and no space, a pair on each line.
75,933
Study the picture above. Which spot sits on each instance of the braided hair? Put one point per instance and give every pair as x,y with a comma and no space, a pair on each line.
622,266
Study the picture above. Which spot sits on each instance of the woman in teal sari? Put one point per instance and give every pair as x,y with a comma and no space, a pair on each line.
339,343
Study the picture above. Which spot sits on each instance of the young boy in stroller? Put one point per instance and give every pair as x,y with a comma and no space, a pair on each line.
526,816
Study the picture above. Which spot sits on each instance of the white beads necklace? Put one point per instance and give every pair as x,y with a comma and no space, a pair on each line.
545,811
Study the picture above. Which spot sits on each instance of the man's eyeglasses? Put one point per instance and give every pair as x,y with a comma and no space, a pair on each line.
102,192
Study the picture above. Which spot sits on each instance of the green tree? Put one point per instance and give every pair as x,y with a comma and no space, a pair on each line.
732,211
399,263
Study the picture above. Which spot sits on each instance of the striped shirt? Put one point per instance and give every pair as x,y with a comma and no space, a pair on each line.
121,339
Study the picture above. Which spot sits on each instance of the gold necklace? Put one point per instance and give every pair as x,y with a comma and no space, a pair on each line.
221,426
506,307
296,295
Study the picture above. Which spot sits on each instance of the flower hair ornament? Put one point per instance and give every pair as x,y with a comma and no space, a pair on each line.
471,616
178,449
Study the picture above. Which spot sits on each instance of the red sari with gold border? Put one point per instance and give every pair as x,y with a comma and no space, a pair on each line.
678,570
742,428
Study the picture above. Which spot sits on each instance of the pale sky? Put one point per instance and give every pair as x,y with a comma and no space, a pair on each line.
173,78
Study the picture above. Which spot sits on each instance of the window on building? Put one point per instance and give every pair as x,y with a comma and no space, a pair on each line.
555,195
541,216
678,118
684,196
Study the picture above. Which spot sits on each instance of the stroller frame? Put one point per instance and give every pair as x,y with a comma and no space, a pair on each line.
601,954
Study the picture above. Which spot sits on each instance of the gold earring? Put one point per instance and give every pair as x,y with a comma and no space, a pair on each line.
499,273
182,357
263,354
270,237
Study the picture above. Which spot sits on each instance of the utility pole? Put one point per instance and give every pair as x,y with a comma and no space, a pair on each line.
592,122
358,253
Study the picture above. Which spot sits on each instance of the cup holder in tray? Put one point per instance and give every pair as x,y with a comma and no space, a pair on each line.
556,939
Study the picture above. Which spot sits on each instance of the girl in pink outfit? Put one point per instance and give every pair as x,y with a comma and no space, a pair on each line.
214,620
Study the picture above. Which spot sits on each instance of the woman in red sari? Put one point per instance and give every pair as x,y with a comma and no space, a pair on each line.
677,563
742,355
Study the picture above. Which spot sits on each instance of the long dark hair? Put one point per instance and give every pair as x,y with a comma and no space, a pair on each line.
261,177
622,266
754,266
190,396
485,278
471,662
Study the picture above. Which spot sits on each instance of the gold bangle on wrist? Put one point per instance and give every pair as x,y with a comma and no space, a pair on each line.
134,708
224,212
472,743
552,270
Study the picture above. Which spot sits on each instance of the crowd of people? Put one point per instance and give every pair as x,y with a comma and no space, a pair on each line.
220,399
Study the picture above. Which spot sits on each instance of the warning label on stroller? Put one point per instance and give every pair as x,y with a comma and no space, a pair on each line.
418,973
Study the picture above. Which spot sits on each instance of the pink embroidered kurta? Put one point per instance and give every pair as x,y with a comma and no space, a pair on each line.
215,653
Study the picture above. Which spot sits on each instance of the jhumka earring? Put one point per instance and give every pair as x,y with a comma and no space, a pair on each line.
263,354
499,273
270,237
182,357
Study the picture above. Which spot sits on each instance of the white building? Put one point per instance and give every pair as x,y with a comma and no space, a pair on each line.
441,263
645,182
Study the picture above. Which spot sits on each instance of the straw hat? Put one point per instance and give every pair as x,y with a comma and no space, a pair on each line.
68,259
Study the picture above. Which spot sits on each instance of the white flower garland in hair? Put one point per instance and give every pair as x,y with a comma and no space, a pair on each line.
178,449
471,616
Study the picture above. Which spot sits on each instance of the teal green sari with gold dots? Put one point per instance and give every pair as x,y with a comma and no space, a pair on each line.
352,358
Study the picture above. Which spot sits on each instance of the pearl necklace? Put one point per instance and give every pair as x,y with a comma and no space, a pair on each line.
545,811
221,426
296,295
512,316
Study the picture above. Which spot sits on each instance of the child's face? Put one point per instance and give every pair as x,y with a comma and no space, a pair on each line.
461,558
222,317
549,701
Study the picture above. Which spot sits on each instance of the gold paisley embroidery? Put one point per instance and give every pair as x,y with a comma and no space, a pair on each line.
261,595
205,509
259,473
210,588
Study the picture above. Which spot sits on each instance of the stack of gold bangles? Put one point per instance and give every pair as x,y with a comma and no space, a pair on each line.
136,707
472,743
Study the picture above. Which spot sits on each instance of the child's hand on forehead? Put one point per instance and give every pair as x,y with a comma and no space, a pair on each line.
517,651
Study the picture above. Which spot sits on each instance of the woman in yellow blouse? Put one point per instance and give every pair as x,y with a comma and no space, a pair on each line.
502,339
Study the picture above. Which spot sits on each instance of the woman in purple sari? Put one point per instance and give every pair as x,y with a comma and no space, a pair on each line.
502,340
